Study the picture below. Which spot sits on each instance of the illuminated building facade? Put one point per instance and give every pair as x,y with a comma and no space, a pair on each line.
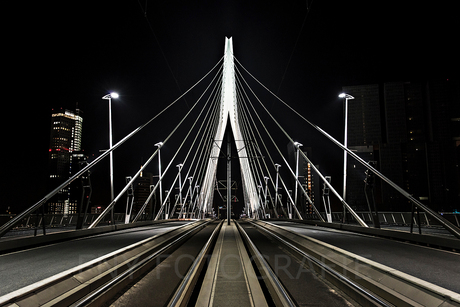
309,180
64,156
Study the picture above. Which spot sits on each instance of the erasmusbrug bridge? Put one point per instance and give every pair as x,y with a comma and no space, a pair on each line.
182,255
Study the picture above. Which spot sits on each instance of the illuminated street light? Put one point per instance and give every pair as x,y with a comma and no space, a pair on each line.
276,188
265,194
109,98
297,145
345,95
159,145
179,166
190,190
345,141
259,187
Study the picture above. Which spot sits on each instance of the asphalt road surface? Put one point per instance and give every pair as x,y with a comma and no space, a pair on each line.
23,268
439,267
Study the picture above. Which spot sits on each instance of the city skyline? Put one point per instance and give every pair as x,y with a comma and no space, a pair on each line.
361,141
303,51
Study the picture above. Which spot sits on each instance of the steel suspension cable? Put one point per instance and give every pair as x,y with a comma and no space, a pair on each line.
277,148
214,91
266,149
448,225
246,115
169,136
161,209
11,223
206,135
110,206
250,144
360,221
209,142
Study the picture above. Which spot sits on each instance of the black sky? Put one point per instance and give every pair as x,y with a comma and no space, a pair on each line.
150,52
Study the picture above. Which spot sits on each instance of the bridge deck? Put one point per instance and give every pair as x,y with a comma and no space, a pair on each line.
433,265
20,269
230,278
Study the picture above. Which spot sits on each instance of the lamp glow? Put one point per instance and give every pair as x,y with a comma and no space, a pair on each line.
345,95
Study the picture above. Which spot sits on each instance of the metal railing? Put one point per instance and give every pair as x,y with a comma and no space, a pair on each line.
396,218
51,221
55,221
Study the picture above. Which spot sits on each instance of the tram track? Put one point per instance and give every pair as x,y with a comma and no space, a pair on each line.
245,263
365,281
259,265
211,271
91,279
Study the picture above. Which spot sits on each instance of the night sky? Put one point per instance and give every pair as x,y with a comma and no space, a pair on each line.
150,52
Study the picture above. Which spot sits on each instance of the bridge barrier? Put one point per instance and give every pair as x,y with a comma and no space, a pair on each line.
18,243
395,218
385,218
57,220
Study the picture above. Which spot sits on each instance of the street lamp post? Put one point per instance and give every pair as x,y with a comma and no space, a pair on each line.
265,195
276,185
190,190
109,98
297,145
259,187
159,145
179,166
345,143
197,193
166,211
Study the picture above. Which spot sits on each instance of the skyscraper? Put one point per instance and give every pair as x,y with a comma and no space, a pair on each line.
65,144
412,130
309,180
364,138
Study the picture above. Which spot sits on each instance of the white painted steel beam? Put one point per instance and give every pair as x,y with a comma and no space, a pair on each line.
229,110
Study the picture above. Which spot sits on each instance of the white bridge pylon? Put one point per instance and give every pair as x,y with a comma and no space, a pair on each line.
229,110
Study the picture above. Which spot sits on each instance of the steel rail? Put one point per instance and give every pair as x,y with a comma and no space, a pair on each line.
182,294
278,289
70,293
98,293
328,269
